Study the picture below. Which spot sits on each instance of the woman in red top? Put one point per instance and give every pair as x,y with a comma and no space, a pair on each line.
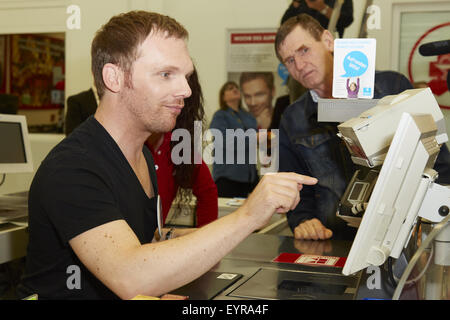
185,179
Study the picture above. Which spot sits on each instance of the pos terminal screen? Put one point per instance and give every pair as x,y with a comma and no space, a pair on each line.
12,149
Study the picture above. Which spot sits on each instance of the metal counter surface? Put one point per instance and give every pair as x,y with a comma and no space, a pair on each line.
253,259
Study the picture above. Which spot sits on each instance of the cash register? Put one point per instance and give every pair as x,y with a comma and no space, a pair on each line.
396,144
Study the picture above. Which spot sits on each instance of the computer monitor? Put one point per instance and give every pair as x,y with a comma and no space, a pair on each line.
15,150
398,193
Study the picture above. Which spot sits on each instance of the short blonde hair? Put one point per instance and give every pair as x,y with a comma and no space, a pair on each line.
117,41
305,21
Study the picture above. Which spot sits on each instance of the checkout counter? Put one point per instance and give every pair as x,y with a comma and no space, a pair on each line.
268,264
311,279
271,265
13,226
247,272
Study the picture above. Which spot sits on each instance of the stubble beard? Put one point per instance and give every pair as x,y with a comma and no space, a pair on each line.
145,114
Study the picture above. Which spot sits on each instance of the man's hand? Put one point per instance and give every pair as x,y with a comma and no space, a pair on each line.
276,192
312,230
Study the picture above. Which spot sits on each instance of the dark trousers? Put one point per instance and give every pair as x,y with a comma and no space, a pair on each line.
230,189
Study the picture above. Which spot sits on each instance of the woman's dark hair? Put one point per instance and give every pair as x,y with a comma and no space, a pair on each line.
227,86
193,110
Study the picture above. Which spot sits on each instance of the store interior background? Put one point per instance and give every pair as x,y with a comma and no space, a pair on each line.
207,22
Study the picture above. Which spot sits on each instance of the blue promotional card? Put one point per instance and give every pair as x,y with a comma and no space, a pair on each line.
354,68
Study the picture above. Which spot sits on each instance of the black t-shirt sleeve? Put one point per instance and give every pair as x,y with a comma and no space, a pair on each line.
78,199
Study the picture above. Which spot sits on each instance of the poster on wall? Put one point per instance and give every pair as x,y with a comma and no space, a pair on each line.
37,68
253,65
36,73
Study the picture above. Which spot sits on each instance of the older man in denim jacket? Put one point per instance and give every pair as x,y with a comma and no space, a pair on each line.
312,148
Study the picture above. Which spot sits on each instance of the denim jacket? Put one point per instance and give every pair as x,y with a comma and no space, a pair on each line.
236,171
312,148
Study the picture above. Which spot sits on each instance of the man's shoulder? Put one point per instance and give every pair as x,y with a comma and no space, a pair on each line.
84,142
298,104
389,83
59,166
74,159
69,152
392,79
296,111
388,74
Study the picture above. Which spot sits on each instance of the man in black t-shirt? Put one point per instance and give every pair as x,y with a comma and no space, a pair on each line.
92,210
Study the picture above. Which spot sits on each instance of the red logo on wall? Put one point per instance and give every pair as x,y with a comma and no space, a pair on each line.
432,70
